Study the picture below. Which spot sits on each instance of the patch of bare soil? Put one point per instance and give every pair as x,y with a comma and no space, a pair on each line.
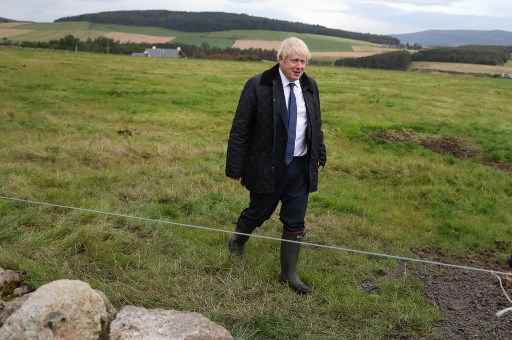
454,146
460,68
138,38
376,49
348,54
12,24
450,145
263,44
468,301
12,32
504,166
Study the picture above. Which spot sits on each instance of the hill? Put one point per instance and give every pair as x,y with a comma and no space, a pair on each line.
457,37
218,21
322,46
6,20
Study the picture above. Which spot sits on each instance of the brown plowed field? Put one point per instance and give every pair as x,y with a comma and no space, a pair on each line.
11,32
359,52
460,68
138,38
375,49
263,44
327,55
11,24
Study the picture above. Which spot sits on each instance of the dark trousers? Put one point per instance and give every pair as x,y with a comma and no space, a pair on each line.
291,189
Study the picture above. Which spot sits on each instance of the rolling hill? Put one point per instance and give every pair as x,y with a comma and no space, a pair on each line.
6,20
323,46
457,37
218,21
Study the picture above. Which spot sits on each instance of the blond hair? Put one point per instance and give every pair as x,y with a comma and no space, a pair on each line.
294,46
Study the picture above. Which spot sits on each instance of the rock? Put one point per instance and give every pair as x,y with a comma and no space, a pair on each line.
137,323
22,290
63,310
9,280
8,308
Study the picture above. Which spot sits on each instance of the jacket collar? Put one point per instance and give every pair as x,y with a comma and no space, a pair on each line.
268,77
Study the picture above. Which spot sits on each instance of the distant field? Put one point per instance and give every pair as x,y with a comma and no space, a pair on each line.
10,24
336,55
138,38
147,137
224,39
462,68
12,32
263,44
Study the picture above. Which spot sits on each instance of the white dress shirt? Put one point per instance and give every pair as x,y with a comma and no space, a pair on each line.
301,147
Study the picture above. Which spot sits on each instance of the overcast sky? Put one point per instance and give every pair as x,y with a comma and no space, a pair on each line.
373,16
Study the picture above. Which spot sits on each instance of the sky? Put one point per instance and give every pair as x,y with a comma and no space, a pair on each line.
366,16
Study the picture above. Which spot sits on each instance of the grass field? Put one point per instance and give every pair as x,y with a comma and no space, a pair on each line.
147,137
224,39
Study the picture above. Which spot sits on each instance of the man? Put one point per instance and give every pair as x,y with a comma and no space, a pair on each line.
276,147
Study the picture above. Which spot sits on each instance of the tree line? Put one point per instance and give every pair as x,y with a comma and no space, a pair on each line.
107,45
401,60
219,21
395,60
471,54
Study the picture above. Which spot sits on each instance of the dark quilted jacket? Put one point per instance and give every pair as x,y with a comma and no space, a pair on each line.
257,140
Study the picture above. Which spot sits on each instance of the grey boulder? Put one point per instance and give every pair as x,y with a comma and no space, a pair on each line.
137,323
64,310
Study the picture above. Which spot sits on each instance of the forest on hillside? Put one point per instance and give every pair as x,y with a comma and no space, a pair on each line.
470,54
5,20
219,21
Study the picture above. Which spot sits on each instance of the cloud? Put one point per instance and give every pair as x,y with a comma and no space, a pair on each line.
374,16
412,20
498,8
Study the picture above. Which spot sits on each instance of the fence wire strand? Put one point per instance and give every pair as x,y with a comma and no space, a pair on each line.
496,273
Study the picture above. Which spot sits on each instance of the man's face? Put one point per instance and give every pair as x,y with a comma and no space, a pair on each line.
293,66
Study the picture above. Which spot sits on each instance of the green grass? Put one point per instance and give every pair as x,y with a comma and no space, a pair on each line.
60,114
224,39
509,63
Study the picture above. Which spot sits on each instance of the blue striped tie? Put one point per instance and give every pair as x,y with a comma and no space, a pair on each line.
292,126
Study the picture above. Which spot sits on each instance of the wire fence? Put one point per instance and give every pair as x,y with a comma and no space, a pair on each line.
496,273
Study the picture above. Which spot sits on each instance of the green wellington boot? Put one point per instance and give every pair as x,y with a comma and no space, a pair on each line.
289,259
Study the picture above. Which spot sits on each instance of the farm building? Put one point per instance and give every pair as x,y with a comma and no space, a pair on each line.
160,53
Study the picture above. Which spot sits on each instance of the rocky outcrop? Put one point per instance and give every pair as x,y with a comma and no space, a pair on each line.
9,282
137,323
72,310
64,310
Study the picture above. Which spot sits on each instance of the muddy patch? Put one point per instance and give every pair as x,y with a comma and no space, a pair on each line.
468,301
454,146
450,145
